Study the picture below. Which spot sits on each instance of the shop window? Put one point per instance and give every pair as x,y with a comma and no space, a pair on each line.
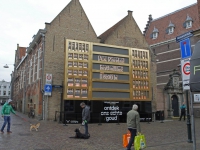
69,106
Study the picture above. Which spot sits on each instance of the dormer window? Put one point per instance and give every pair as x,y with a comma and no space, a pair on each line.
170,28
154,34
188,22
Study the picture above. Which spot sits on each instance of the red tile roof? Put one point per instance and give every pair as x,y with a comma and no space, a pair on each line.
177,18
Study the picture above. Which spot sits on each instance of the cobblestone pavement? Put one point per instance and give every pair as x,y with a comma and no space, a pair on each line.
170,135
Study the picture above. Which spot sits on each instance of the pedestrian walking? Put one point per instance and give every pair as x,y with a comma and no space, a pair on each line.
133,123
85,116
5,113
182,107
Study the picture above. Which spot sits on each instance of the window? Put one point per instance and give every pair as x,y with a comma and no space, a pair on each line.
188,24
155,35
171,30
4,92
8,92
4,87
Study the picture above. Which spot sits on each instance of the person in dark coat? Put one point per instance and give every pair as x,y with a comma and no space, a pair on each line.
182,111
85,116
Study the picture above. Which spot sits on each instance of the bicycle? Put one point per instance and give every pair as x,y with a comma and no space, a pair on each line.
31,113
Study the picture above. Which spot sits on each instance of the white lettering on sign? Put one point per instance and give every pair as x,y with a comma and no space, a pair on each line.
110,111
108,76
111,68
111,59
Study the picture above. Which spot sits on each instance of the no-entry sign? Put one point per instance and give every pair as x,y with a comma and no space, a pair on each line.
185,68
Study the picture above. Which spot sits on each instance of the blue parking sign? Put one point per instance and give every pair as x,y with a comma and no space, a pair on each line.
185,48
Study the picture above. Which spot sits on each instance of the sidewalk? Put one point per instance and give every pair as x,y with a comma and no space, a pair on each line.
170,135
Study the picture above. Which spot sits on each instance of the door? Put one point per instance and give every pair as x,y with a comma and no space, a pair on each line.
175,106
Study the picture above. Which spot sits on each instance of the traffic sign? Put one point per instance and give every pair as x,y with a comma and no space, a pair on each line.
47,89
185,69
48,78
185,48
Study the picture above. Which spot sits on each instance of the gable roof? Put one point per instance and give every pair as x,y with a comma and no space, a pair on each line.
177,18
108,32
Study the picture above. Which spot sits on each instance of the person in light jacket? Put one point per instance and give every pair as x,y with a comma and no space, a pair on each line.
133,124
182,111
85,116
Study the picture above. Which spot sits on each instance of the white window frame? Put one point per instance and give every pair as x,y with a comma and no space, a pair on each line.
155,35
170,30
188,24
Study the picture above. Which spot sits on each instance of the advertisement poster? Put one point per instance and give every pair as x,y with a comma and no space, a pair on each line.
70,93
70,64
84,83
69,72
80,72
80,56
84,93
80,65
77,93
77,82
75,72
70,82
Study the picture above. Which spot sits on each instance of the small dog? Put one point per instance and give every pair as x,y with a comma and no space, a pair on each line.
34,126
80,135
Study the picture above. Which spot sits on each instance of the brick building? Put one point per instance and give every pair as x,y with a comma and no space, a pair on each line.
46,54
161,35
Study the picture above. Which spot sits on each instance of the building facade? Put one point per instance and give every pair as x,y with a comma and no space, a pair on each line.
46,55
4,91
161,35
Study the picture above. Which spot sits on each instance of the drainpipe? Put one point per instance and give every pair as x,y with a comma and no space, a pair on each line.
42,80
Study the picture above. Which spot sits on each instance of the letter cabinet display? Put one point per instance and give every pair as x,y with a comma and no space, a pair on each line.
95,71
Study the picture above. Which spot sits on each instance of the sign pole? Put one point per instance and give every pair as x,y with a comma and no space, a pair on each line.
188,120
193,122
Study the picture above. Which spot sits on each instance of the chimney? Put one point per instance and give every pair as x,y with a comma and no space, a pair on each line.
130,12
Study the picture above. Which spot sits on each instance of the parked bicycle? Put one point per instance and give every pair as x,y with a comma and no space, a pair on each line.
31,114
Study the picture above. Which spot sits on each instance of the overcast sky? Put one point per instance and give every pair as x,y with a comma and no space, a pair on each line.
21,19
